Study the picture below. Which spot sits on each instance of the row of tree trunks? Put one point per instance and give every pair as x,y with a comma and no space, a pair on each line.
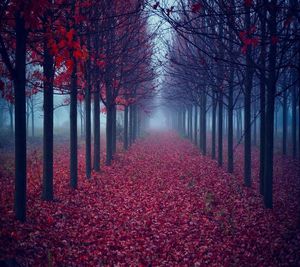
132,125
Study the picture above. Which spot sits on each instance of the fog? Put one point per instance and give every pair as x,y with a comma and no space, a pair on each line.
158,121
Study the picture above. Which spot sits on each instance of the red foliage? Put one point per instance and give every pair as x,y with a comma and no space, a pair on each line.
247,39
274,40
288,21
161,203
248,3
196,7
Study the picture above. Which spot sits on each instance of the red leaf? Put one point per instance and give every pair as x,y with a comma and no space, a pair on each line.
196,7
274,40
248,3
69,64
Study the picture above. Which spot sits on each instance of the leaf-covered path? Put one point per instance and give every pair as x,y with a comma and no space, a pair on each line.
160,204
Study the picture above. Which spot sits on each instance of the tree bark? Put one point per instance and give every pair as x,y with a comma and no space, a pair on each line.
271,90
135,122
131,125
214,107
184,123
48,67
189,121
11,116
97,129
109,133
254,124
20,117
32,117
247,110
126,128
73,128
114,130
230,122
81,120
294,122
88,130
195,125
220,129
203,123
262,85
284,122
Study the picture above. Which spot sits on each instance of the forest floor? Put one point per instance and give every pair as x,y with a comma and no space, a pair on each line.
160,204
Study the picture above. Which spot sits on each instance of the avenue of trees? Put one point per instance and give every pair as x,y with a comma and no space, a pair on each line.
233,71
231,76
91,51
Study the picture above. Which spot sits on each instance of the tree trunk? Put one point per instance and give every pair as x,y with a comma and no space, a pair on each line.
135,122
262,100
114,130
20,119
48,68
27,118
247,110
254,124
299,109
294,122
284,122
32,117
299,115
213,147
196,125
11,116
88,130
276,124
184,122
190,122
220,99
97,128
81,120
230,122
130,125
126,128
109,133
271,91
220,130
203,123
240,125
73,127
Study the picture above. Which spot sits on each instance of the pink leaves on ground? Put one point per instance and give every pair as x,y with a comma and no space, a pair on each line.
161,203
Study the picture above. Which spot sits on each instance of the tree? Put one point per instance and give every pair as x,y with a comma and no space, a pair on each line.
17,71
